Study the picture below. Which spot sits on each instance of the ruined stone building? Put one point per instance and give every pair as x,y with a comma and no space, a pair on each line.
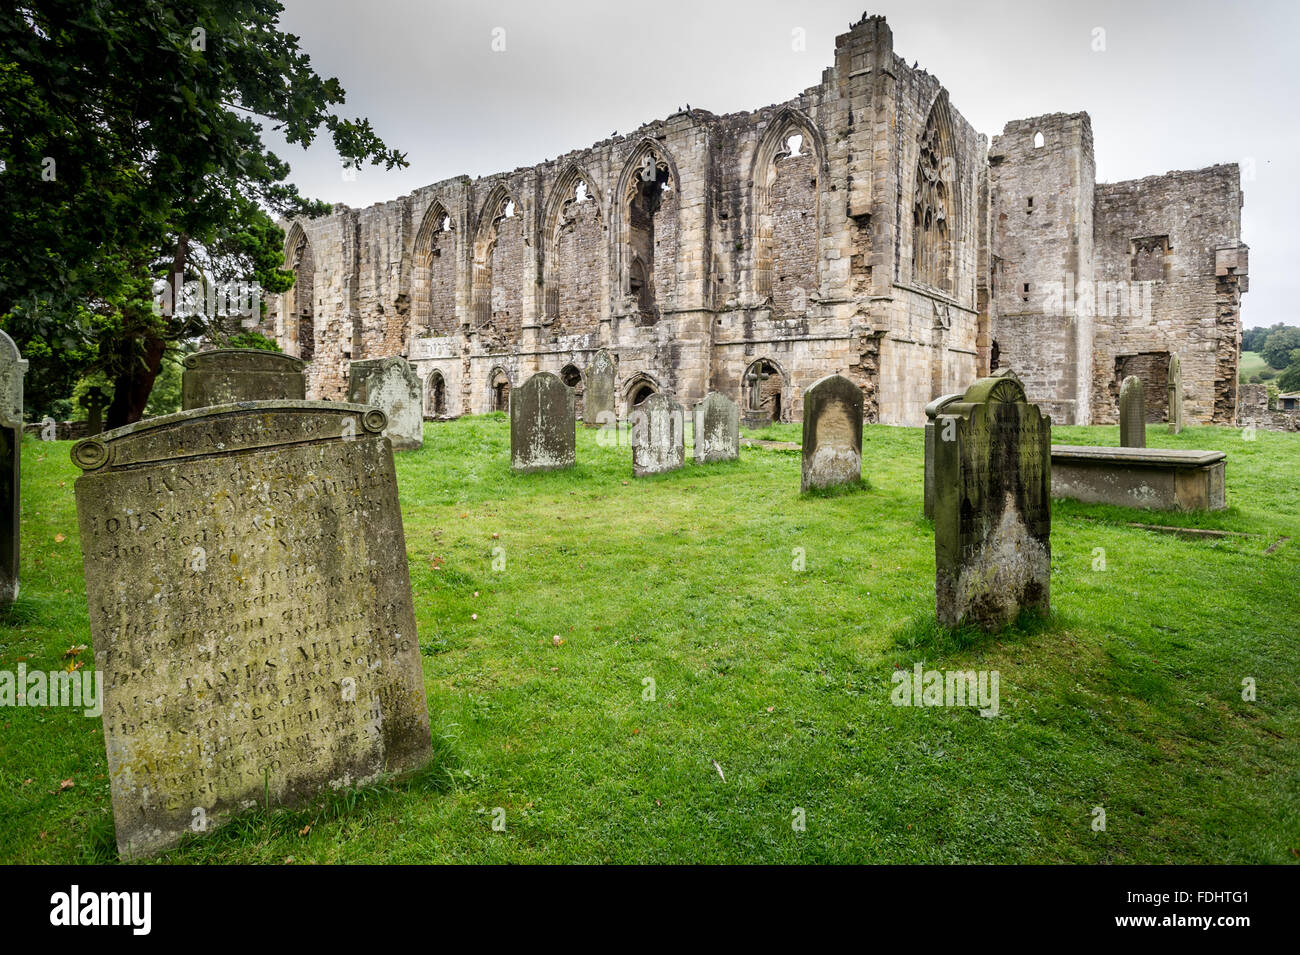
862,227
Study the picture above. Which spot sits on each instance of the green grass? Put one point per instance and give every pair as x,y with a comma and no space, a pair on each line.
1251,364
1128,697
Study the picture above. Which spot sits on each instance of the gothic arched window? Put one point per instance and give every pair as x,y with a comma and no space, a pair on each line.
932,209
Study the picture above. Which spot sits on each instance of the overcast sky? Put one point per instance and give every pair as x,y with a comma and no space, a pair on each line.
1180,85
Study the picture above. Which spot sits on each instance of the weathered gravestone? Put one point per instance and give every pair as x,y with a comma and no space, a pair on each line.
598,395
392,386
1132,413
251,612
717,429
228,375
94,401
931,411
542,425
992,508
832,433
12,369
657,433
1175,395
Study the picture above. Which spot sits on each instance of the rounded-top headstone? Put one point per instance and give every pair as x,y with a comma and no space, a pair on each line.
832,433
228,375
542,425
1132,413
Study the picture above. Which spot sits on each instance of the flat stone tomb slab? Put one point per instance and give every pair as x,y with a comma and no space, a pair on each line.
1158,479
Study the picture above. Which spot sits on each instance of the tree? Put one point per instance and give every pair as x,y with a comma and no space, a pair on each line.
1289,381
1279,345
130,133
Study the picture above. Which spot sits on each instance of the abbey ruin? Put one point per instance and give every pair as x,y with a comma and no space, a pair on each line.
862,228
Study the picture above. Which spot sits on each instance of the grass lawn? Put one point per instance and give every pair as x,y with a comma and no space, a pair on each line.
1252,363
1128,698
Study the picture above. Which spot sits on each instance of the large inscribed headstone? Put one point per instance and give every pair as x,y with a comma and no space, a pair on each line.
992,508
251,612
392,386
1132,413
717,429
1175,395
598,395
832,433
658,436
12,369
227,375
542,425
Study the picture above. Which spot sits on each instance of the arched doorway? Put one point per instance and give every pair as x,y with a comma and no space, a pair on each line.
499,394
300,320
436,389
639,389
763,388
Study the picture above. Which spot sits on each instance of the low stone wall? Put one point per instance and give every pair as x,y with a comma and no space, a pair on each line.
63,430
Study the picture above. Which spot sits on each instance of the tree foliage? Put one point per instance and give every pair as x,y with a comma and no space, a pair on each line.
130,133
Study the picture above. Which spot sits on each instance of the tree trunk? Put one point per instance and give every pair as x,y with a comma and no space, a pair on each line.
134,383
132,388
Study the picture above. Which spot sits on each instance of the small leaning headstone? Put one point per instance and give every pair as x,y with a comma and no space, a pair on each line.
1132,413
542,425
392,386
12,369
598,395
227,375
992,506
932,410
1175,395
657,434
717,429
250,607
94,401
832,433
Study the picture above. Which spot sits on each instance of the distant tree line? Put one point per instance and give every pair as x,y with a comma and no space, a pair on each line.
1279,345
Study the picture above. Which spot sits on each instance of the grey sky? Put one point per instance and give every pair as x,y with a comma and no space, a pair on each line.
1179,85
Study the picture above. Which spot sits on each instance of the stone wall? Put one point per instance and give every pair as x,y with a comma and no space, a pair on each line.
860,228
1166,237
1041,181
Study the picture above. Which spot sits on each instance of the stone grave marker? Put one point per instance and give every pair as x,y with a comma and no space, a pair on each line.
931,411
12,369
542,425
94,401
658,435
832,433
1175,395
250,608
392,386
992,508
1132,413
717,429
598,395
227,375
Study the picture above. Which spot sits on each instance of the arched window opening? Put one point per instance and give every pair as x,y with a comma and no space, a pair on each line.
645,205
933,206
300,320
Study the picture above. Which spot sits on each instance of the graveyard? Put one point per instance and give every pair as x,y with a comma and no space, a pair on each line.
673,667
